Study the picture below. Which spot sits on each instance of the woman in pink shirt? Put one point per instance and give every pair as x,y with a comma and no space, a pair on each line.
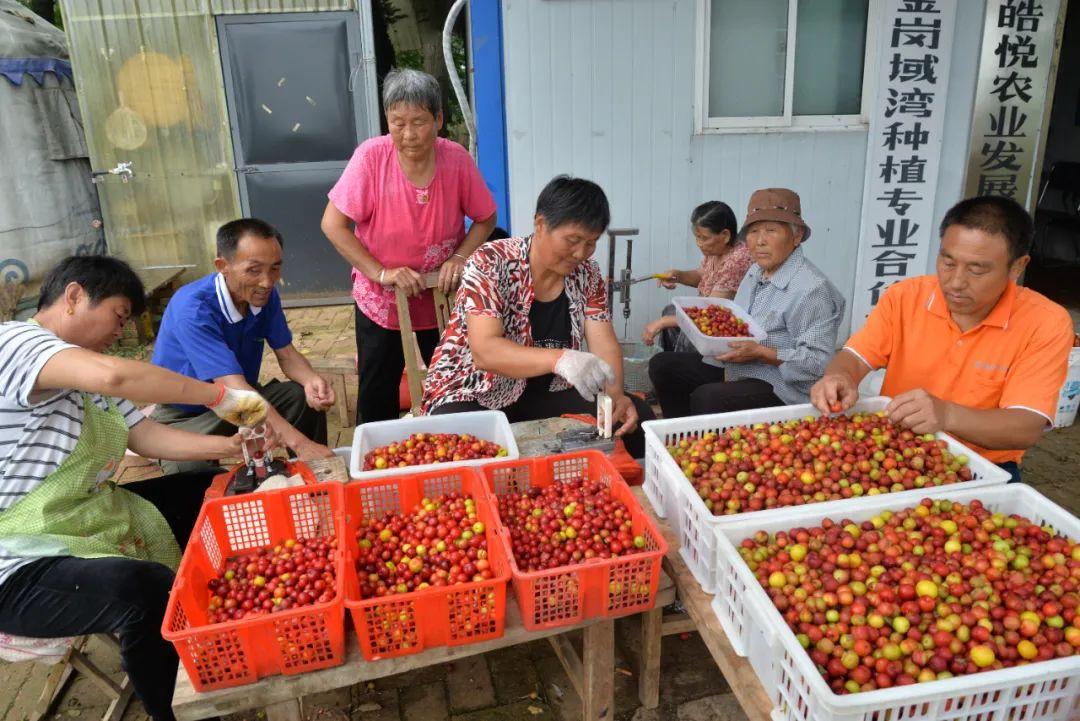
406,195
724,263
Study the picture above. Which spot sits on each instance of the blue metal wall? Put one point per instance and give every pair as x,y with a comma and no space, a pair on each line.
489,92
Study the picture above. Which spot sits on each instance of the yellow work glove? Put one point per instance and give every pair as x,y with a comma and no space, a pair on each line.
239,407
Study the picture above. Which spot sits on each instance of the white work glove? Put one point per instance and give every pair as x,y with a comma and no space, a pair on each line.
589,374
239,407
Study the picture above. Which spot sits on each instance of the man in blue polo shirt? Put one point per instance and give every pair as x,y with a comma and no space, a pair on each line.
215,328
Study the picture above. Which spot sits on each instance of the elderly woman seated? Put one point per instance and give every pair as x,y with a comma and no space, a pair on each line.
793,301
525,309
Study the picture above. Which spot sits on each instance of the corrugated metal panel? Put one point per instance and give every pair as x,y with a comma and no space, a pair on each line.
241,7
150,86
604,89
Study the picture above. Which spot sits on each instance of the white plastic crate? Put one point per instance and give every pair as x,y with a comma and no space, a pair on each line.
1044,691
676,500
486,425
708,345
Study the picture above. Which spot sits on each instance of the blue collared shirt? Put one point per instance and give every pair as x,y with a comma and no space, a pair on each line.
204,336
800,311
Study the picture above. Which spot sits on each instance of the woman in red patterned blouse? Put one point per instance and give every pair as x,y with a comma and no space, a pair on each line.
724,263
525,308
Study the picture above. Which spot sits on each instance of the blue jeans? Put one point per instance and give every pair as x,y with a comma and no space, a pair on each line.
1013,469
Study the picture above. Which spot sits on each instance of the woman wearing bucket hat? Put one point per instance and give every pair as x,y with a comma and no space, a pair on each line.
789,297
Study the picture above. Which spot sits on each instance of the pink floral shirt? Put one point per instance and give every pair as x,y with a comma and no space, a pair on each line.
725,272
402,225
497,283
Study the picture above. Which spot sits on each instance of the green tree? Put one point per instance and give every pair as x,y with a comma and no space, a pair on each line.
47,9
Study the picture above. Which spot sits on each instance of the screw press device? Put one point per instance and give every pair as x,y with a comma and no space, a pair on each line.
598,437
259,463
626,279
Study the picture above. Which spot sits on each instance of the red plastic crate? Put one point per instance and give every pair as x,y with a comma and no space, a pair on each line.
408,623
234,653
598,587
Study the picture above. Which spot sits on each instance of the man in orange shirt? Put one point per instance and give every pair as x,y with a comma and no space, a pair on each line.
967,352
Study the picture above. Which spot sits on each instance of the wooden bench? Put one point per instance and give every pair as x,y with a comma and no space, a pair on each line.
76,660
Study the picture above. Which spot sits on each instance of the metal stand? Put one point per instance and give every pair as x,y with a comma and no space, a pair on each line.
625,278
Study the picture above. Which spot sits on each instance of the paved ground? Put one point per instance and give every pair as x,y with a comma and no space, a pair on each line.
526,682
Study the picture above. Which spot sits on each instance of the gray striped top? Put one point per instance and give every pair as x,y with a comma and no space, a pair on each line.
38,431
800,311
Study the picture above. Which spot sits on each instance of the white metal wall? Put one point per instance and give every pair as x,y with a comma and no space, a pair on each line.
603,89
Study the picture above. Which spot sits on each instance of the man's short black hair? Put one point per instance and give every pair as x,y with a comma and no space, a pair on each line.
997,216
100,276
574,200
229,235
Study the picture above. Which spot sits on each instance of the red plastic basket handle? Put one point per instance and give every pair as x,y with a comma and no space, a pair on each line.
583,417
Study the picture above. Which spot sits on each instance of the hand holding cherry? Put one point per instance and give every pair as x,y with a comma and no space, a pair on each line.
919,411
835,393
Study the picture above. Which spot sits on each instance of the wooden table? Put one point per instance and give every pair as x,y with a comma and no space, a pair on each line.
592,673
538,438
736,669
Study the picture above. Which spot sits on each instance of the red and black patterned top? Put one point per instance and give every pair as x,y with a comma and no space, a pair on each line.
497,283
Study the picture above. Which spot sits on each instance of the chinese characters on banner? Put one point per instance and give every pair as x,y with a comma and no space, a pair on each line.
1010,99
903,148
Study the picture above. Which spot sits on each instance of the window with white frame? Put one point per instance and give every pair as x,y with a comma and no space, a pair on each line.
783,63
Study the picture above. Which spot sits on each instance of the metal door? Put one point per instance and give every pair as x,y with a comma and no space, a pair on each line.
297,111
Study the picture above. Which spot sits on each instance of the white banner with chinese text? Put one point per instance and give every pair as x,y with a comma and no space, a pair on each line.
903,148
1010,99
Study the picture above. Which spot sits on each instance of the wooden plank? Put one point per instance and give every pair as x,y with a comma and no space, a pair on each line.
539,438
341,403
284,711
155,279
87,668
737,670
189,705
679,623
119,705
413,374
329,469
333,365
59,675
652,623
570,661
598,660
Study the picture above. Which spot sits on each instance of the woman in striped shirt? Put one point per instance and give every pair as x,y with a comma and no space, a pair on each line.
79,555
